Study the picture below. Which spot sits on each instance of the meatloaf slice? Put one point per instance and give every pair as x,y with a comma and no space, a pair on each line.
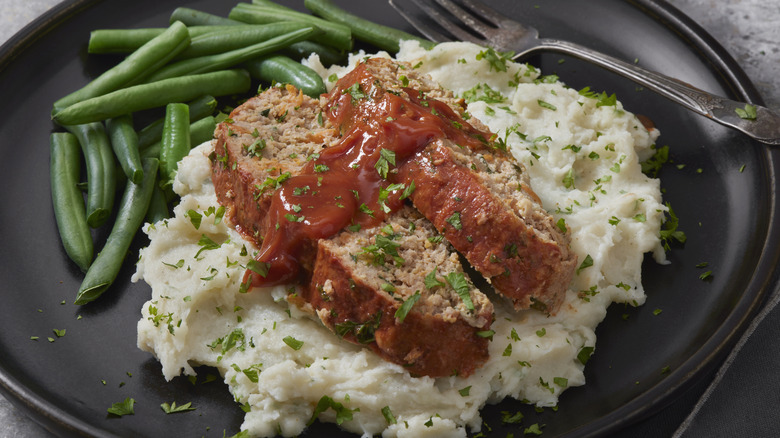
362,280
482,204
265,141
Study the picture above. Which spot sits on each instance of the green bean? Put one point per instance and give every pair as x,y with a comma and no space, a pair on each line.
199,108
120,40
236,37
103,41
383,37
271,4
155,94
150,57
328,55
132,209
193,17
158,207
200,131
175,141
124,142
101,168
335,34
279,68
204,64
67,200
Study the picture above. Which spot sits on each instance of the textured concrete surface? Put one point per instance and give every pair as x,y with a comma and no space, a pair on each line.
746,28
749,30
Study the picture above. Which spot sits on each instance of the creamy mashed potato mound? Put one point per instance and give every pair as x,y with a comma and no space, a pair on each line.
584,161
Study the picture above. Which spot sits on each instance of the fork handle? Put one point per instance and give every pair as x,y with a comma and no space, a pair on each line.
765,128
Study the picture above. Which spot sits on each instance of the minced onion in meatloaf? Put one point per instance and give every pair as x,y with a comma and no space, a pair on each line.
396,285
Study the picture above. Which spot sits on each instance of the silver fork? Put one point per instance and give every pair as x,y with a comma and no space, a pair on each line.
506,35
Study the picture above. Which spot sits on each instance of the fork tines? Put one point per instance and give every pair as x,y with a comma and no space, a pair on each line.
468,20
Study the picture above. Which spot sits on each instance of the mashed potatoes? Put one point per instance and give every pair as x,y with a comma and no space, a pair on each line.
583,153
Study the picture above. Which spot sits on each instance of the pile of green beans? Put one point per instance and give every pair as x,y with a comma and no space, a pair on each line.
182,68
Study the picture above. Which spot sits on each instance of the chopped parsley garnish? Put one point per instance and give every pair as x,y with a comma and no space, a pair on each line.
511,418
584,354
507,351
484,93
669,230
256,148
561,224
458,282
206,244
363,331
272,183
653,165
386,159
356,92
388,414
173,408
384,246
195,218
364,209
568,179
748,113
546,105
122,408
408,191
293,343
464,392
587,263
454,220
293,218
260,268
495,60
486,334
431,281
402,311
342,413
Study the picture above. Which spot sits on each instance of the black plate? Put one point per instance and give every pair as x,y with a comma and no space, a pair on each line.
724,197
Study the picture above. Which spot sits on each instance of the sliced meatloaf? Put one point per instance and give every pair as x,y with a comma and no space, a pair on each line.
400,290
264,141
367,274
362,196
482,204
475,193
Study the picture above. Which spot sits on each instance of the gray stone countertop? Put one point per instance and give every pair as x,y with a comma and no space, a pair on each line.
746,28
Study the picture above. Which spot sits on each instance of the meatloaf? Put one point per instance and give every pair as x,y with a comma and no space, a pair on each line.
468,185
366,196
353,284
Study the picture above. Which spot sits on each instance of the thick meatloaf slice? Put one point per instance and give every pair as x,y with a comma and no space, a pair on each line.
478,196
265,141
362,279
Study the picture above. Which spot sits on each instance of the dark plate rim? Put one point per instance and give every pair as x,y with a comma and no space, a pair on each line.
708,357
